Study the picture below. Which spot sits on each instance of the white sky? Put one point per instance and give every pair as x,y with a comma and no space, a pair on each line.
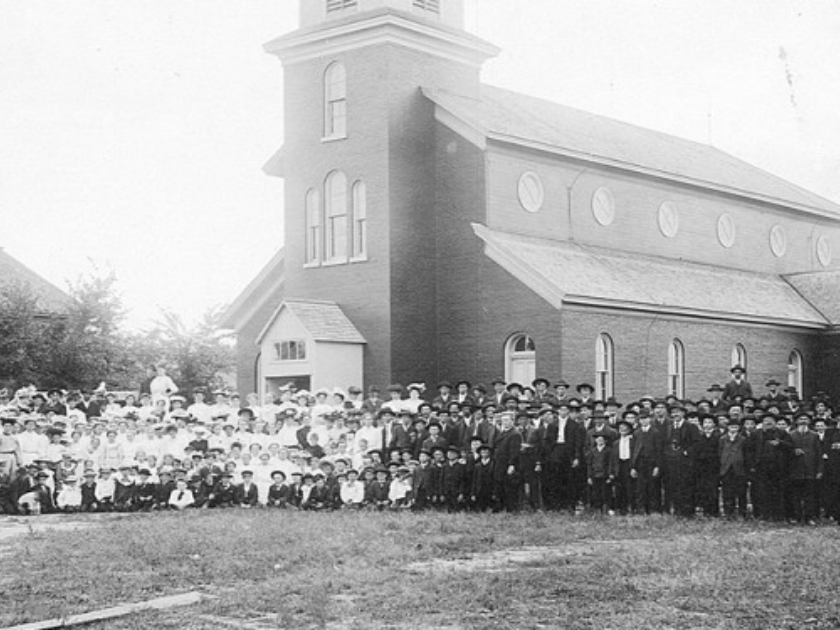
133,132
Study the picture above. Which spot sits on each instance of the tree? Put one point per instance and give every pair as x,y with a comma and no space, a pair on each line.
201,356
28,335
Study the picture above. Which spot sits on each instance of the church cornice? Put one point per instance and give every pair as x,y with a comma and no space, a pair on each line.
383,26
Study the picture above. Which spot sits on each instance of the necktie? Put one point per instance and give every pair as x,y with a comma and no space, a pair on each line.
180,496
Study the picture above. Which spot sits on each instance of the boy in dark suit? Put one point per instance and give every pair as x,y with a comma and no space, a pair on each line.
247,495
598,474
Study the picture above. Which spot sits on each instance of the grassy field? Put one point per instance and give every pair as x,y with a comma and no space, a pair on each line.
304,570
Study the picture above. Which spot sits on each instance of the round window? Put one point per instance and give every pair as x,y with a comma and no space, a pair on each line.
531,193
778,241
669,219
603,206
726,230
824,253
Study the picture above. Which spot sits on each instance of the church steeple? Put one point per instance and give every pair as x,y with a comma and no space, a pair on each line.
334,26
447,12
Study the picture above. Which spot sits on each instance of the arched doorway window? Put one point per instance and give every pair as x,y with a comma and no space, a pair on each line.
676,369
795,371
604,361
739,356
520,359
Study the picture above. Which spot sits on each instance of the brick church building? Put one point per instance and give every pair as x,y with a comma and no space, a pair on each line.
437,227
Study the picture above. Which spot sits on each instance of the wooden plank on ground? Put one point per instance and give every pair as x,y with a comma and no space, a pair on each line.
161,603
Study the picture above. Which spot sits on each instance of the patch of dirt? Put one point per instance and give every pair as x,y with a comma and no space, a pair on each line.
524,558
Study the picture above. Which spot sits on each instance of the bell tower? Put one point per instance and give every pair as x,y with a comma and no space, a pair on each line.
359,165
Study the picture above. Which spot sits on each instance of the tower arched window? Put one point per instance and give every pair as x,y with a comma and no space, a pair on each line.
359,237
313,227
604,362
335,101
432,6
520,359
676,369
739,356
795,371
335,195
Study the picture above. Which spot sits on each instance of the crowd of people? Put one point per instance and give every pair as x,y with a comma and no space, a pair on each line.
506,447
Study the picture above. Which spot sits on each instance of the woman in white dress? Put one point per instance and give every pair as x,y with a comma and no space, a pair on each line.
162,386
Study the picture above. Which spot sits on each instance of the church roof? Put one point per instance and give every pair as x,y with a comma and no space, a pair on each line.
570,273
506,116
822,289
268,284
325,321
51,299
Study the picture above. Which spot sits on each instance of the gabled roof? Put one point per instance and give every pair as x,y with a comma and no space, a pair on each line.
51,299
505,116
325,321
822,289
569,273
262,288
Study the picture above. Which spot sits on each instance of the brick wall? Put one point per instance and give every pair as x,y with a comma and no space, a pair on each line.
641,352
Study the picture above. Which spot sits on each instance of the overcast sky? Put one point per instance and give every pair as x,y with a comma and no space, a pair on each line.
133,132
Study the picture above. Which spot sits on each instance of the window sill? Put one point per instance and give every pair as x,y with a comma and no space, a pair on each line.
359,259
334,263
311,265
333,138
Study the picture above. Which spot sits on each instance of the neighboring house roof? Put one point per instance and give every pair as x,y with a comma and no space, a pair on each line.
822,289
325,321
569,273
506,116
51,299
262,288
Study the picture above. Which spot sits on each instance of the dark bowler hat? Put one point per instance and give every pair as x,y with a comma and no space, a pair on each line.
514,385
446,384
715,388
498,380
479,387
627,423
772,381
737,368
540,380
562,383
583,386
463,382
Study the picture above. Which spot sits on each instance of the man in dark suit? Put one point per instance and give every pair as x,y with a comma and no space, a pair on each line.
733,470
646,465
541,391
621,465
738,386
806,467
532,431
773,449
680,438
444,396
507,474
562,455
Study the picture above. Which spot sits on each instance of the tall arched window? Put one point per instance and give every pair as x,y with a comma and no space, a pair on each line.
335,101
335,195
313,227
739,356
795,371
604,361
359,240
520,359
676,369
